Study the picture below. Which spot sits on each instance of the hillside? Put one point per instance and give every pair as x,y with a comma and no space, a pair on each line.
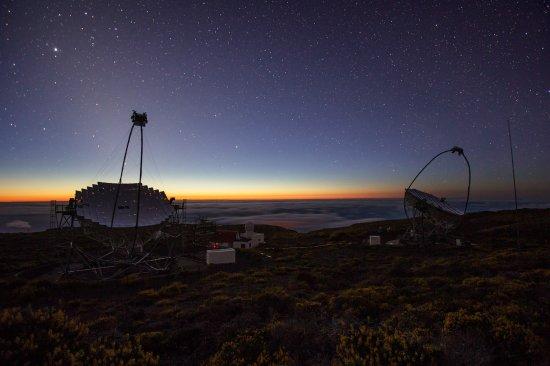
340,303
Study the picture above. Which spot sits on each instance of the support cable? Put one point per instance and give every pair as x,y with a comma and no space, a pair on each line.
514,178
139,192
121,172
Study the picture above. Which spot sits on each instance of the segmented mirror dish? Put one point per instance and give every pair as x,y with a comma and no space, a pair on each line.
414,195
96,204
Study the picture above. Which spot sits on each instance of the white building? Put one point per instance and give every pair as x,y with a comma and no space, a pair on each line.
220,256
249,238
234,239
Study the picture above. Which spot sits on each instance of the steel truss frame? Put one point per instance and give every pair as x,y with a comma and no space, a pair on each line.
124,250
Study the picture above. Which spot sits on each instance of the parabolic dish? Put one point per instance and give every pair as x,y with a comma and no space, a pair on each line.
96,204
414,196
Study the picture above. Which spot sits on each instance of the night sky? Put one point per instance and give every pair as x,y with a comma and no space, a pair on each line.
274,99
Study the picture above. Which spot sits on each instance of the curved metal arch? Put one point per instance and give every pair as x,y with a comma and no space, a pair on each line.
139,120
121,173
455,149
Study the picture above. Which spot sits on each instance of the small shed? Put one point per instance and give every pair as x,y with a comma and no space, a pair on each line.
375,240
220,256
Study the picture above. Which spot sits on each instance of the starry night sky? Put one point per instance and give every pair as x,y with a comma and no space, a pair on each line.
274,99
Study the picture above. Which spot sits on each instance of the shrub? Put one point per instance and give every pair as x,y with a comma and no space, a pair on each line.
488,337
34,289
185,340
150,293
516,343
131,279
382,346
173,289
339,236
249,348
150,340
103,322
310,279
273,300
399,267
221,308
363,301
307,341
466,338
48,336
306,308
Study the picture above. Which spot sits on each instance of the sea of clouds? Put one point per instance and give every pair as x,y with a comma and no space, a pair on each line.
300,215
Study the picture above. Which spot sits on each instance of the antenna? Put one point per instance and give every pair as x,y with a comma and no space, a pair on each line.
515,189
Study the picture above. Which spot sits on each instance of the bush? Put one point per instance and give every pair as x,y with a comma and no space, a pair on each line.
306,308
339,236
150,293
173,289
466,338
132,279
48,336
103,322
516,342
273,300
489,338
364,301
307,341
399,267
249,348
34,289
382,346
151,340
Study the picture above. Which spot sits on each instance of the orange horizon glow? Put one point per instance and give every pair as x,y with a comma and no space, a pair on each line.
252,195
206,190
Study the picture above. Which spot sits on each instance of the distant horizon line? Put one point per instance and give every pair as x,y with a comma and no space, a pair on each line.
303,199
239,199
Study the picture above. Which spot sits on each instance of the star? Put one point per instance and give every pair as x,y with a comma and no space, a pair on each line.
360,91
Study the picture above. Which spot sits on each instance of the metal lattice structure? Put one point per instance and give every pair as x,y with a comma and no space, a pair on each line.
432,218
131,224
62,215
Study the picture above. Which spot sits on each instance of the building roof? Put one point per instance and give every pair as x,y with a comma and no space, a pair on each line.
243,239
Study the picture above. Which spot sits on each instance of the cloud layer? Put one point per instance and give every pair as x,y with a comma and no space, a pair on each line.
19,225
297,215
305,215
